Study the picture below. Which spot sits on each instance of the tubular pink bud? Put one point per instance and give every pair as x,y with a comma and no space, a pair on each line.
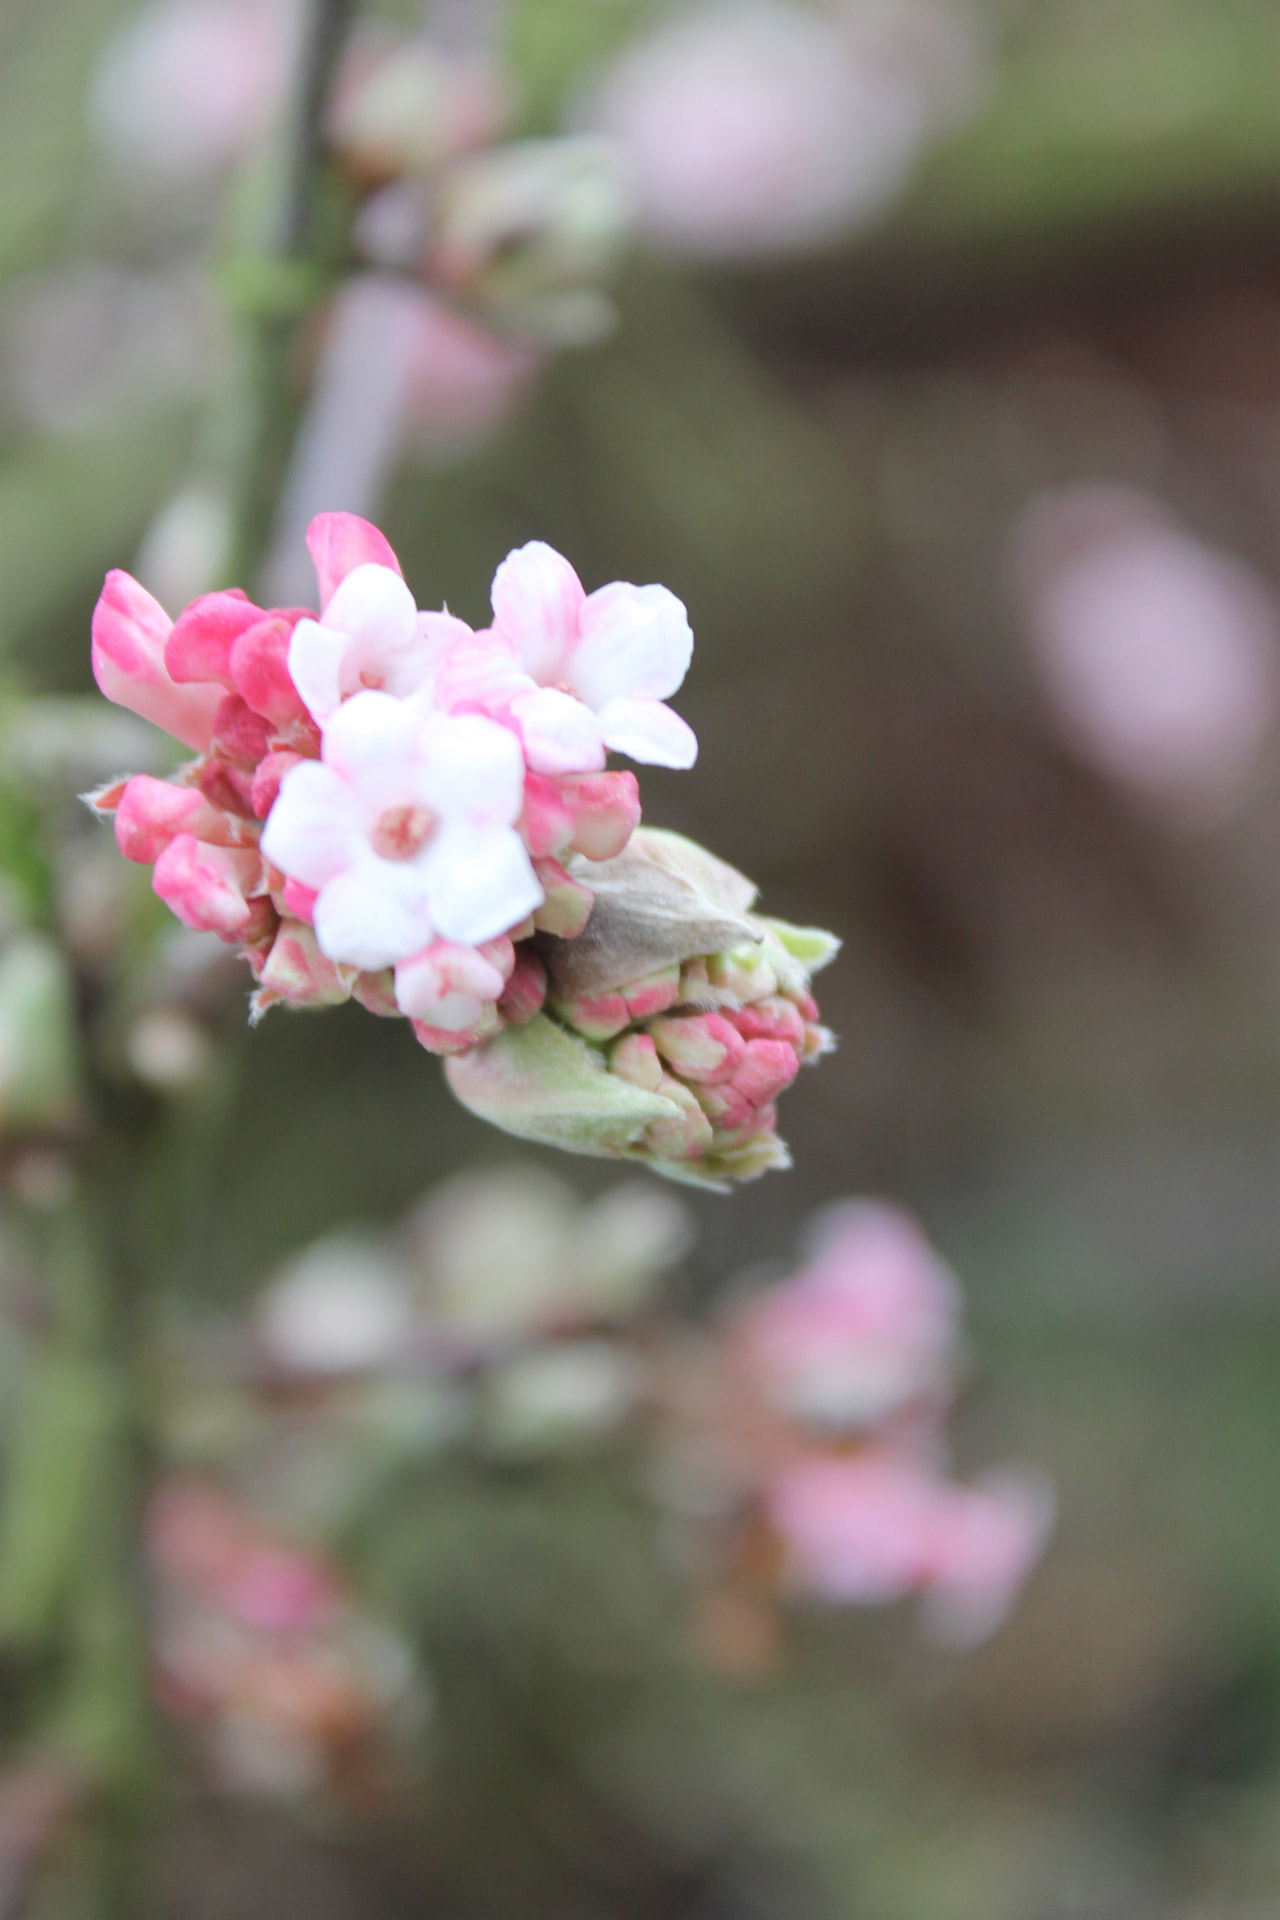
605,809
299,901
767,1068
199,647
700,1046
227,787
567,905
341,542
210,888
240,735
525,991
271,770
259,666
546,824
598,1017
130,629
295,971
635,1058
150,813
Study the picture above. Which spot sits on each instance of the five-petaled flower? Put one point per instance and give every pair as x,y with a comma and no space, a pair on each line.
406,829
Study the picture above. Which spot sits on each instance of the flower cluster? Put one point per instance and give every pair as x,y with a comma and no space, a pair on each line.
257,1645
822,1408
389,806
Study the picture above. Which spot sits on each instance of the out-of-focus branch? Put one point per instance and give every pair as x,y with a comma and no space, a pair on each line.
278,289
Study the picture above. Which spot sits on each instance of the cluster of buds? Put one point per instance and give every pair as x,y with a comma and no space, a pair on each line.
291,1687
520,233
814,1428
672,1022
388,806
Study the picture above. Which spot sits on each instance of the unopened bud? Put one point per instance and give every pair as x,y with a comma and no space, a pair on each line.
672,1023
530,230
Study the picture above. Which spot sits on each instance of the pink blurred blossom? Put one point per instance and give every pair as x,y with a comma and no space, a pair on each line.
1159,656
865,1328
185,86
766,127
877,1526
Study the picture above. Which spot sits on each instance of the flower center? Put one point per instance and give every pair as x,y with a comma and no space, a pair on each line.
403,831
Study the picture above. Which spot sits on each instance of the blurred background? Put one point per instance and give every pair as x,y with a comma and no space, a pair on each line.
940,377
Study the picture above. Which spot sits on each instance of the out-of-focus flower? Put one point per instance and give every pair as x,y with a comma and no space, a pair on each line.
877,1526
1159,656
759,128
408,106
258,1645
342,1306
527,232
514,1255
562,1395
673,1021
804,1447
867,1327
185,86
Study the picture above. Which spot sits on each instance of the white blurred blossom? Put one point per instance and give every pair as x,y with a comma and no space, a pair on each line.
1159,656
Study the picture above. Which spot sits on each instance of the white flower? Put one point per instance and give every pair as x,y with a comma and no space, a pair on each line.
370,636
405,828
578,672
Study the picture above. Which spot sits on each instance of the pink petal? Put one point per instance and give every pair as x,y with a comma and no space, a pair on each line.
447,985
560,735
647,731
537,598
636,642
130,629
479,672
199,647
259,666
340,542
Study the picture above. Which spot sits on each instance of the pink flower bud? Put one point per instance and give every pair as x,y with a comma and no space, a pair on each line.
199,647
295,971
700,1046
567,905
240,736
268,774
259,667
129,634
546,824
525,991
150,812
339,543
605,809
212,889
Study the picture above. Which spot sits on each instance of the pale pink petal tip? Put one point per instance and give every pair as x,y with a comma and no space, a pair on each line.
340,542
130,630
